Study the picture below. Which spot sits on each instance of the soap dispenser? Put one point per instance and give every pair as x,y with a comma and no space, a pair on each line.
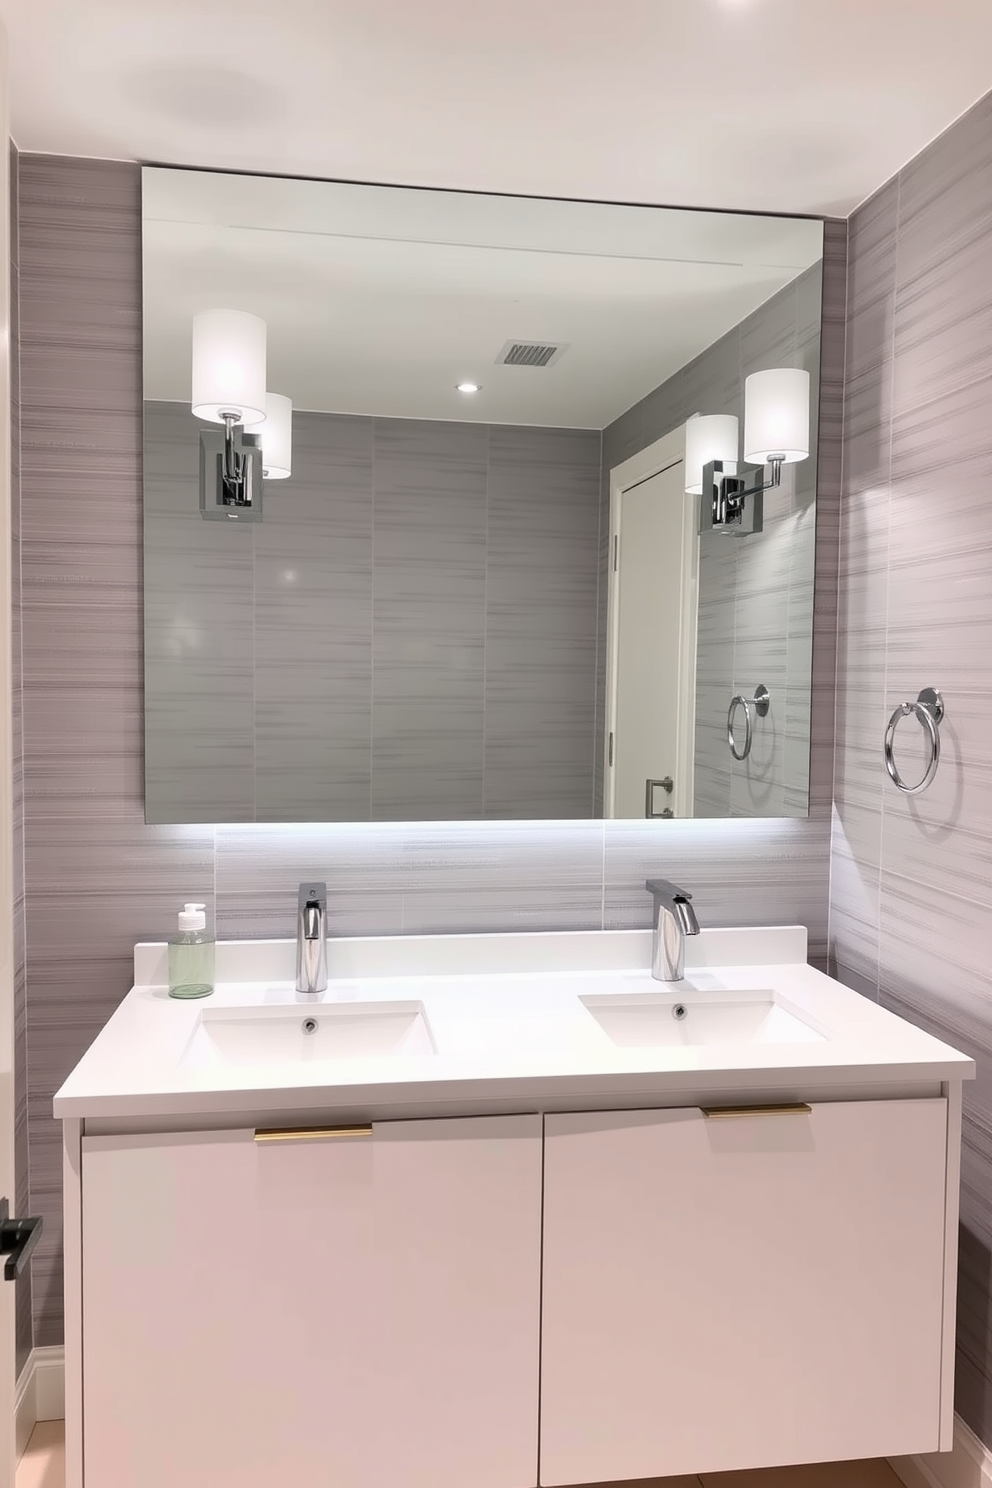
191,955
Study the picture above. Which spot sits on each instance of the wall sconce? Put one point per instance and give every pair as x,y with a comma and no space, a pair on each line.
229,389
276,437
776,433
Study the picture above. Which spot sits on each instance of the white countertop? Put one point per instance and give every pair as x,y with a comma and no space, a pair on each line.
518,1033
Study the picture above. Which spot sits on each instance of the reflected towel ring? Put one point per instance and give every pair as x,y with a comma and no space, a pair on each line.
929,709
760,703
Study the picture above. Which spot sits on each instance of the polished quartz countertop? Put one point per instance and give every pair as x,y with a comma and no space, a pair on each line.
436,1024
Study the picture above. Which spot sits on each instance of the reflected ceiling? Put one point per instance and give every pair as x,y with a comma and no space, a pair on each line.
379,301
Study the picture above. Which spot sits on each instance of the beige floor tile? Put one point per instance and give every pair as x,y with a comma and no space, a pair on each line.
877,1474
43,1463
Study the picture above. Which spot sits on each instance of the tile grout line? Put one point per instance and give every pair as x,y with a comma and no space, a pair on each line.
887,579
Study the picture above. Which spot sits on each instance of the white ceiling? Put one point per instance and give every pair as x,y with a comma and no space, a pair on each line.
379,300
762,105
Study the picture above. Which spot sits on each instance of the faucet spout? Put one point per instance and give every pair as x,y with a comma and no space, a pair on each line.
686,916
674,919
311,939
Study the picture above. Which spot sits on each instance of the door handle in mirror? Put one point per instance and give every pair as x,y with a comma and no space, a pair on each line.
18,1238
650,786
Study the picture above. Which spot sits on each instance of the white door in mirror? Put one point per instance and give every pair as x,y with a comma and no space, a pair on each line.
649,700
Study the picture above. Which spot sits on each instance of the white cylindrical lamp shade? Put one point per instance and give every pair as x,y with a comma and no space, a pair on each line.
276,435
708,436
228,366
776,416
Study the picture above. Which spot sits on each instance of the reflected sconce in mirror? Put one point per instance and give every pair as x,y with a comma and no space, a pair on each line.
229,389
776,433
276,437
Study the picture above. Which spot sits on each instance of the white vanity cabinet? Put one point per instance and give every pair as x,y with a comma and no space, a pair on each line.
542,1263
735,1291
357,1308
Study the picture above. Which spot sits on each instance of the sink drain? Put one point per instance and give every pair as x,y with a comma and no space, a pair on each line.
680,1011
309,1025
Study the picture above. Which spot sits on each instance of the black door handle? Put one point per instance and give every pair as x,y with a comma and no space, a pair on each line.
18,1238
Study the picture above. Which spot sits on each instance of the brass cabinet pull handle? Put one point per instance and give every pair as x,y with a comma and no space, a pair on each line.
723,1113
310,1134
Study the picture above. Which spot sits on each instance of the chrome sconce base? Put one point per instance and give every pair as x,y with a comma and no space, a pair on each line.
729,503
230,474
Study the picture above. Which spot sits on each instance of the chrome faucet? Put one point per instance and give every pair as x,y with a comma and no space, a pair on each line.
674,919
311,938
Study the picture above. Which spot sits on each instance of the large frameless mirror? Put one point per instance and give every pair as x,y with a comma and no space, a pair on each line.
462,507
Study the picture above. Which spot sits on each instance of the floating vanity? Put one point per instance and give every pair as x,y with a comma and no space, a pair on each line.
503,1210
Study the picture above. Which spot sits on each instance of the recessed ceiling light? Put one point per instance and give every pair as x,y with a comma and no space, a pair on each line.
468,387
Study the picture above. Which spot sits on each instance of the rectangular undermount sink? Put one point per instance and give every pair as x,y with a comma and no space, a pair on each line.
649,1020
302,1035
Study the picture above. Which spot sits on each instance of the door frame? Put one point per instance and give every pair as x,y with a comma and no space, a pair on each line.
648,462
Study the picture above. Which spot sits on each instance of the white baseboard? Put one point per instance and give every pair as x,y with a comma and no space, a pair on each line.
968,1465
40,1393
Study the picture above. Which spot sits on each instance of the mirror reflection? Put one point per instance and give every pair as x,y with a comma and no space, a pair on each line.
461,506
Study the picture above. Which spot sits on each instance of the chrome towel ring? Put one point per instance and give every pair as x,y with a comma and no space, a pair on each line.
929,709
760,704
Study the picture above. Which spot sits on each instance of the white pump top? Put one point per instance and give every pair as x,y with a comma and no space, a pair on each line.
193,917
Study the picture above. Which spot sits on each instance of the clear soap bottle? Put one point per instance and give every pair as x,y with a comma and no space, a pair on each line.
191,955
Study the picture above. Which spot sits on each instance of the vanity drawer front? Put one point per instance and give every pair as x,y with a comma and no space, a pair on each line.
357,1307
743,1292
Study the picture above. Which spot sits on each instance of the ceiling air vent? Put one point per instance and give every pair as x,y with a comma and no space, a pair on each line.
529,354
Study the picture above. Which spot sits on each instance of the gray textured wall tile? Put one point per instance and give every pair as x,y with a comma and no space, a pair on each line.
769,335
662,410
711,383
623,438
542,578
411,582
871,283
420,878
429,610
312,662
943,306
91,864
782,861
911,876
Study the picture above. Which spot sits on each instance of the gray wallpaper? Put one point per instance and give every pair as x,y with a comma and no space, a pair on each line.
755,609
98,878
408,635
911,877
